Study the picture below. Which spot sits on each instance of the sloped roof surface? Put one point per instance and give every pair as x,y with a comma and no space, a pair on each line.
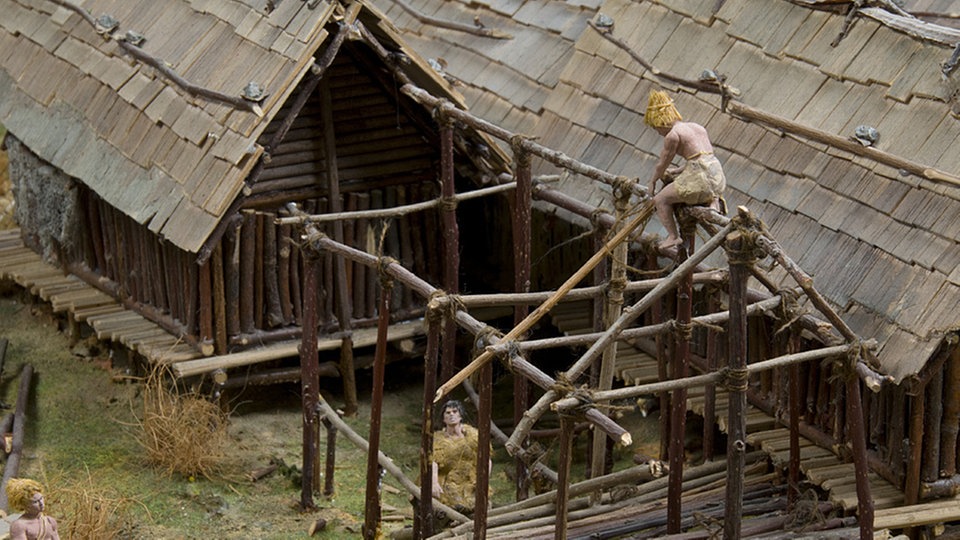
882,245
168,159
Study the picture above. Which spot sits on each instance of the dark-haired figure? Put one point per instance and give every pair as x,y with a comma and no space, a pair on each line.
455,459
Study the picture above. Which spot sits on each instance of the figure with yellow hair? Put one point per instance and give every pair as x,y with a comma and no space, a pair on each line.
25,495
699,180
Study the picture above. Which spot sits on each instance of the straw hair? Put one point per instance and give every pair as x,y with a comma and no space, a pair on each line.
661,113
19,492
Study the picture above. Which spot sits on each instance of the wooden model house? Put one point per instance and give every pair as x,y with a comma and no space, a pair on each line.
153,146
156,147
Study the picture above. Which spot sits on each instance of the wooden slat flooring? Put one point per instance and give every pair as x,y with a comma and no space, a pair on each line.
85,303
111,321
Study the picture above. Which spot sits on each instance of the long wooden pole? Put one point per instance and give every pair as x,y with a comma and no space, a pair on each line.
836,141
563,472
451,245
614,331
951,416
423,524
793,495
465,320
343,298
522,212
309,379
371,523
326,411
858,440
642,216
611,312
630,392
737,401
678,400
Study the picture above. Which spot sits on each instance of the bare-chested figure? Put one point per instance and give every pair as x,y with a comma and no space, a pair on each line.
699,180
26,496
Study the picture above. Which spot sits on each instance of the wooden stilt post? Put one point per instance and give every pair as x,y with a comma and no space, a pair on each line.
614,331
521,260
563,474
740,255
484,463
451,243
678,370
231,252
934,398
331,460
248,241
710,390
911,487
658,317
858,440
371,523
793,490
343,297
219,301
423,522
951,416
309,377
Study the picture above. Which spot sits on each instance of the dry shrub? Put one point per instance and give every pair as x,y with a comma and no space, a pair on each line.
89,511
182,432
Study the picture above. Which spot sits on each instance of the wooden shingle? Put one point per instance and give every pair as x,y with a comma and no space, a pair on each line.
920,73
884,56
922,297
759,21
920,208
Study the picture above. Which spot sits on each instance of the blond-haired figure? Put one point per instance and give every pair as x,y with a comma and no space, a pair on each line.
25,495
699,180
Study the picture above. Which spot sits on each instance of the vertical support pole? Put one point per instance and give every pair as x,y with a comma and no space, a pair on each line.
658,316
567,424
205,301
930,469
611,312
523,197
309,376
343,297
911,488
737,248
484,418
248,245
858,439
371,523
423,524
951,416
710,391
451,243
793,490
331,458
678,370
219,300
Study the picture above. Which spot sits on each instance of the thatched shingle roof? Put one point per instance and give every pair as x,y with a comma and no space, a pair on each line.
171,158
883,246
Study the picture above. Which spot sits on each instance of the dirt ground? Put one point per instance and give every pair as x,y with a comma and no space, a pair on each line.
81,436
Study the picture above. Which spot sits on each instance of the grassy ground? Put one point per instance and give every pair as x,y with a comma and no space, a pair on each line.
81,437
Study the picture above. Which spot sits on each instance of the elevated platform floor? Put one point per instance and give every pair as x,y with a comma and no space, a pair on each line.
111,321
820,466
